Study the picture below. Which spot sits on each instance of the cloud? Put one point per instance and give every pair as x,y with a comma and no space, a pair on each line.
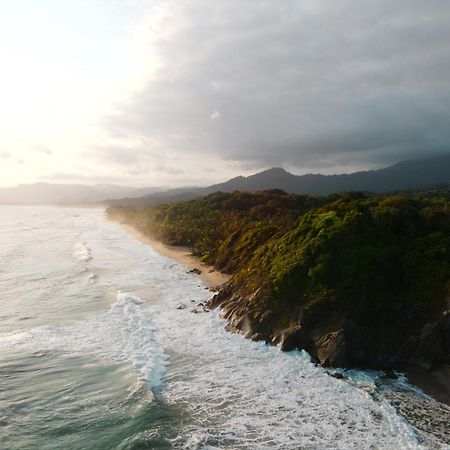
307,83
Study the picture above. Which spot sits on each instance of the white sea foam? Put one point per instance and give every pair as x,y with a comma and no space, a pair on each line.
82,252
242,394
247,395
232,393
124,333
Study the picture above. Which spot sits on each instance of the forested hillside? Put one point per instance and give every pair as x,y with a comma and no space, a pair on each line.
355,279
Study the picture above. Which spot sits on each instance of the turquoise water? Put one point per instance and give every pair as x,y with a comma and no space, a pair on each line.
94,354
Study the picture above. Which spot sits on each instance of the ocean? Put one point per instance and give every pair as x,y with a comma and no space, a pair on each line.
94,354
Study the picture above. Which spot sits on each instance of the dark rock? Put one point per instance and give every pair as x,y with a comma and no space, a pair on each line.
196,271
194,311
332,339
275,340
331,350
257,337
293,338
225,294
337,375
181,306
430,347
230,328
390,374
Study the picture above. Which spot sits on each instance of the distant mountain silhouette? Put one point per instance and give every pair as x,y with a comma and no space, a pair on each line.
406,175
49,193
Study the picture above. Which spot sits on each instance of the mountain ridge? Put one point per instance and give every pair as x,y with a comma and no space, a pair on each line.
405,175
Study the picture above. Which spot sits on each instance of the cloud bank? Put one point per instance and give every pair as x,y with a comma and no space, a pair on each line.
302,83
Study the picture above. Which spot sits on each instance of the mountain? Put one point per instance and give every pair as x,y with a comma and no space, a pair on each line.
48,193
406,175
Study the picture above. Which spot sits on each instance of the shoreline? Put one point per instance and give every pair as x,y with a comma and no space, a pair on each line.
435,383
183,255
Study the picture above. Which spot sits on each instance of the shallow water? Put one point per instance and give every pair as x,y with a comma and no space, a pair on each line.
95,355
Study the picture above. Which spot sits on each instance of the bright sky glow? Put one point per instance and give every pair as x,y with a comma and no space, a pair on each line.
191,92
64,66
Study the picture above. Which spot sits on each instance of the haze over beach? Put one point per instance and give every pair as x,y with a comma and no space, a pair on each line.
225,224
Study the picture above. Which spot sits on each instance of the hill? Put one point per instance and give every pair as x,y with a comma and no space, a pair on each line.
406,175
357,280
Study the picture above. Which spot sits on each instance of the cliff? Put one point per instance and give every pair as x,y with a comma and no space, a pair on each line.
356,280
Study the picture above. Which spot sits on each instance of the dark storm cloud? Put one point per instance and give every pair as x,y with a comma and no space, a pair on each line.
298,82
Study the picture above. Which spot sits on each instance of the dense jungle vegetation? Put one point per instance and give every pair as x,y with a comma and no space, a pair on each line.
382,261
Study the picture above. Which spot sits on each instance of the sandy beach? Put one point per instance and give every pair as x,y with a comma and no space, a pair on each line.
433,383
183,255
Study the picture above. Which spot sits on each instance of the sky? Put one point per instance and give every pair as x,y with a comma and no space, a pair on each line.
191,92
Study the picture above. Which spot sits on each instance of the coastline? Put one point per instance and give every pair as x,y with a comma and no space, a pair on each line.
434,384
183,255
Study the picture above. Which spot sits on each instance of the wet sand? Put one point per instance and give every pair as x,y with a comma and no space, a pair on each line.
183,255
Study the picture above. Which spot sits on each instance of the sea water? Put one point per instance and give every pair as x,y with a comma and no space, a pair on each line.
94,354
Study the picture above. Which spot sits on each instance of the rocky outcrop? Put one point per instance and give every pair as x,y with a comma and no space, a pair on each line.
339,342
236,310
331,349
429,347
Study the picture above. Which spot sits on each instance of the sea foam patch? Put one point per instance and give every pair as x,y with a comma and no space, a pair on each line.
82,252
124,333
